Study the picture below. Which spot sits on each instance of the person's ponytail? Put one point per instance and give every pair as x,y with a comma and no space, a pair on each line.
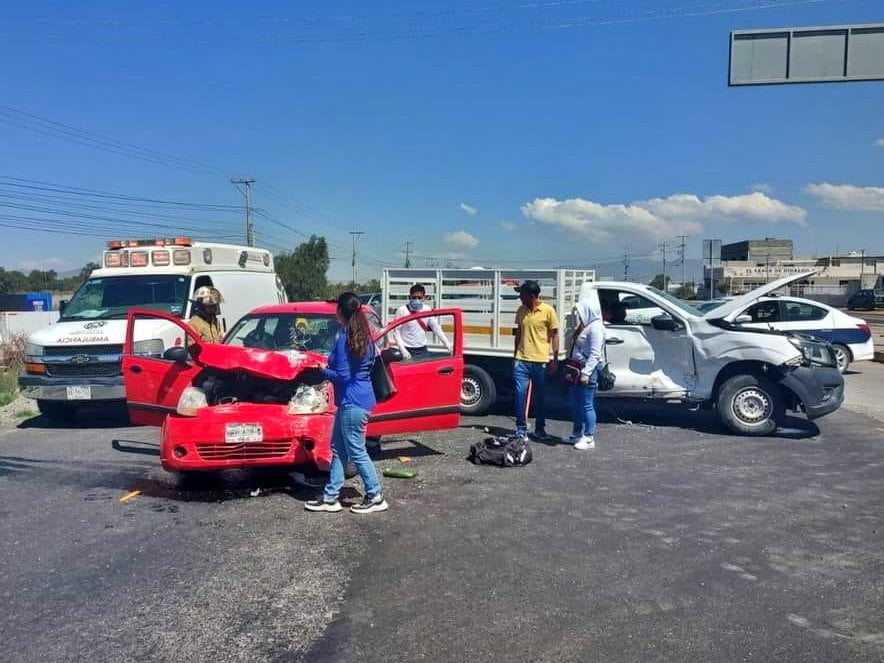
350,309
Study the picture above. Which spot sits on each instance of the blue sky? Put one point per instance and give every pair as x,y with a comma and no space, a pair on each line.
512,132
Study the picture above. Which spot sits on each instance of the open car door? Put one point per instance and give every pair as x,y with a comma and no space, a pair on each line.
427,385
155,377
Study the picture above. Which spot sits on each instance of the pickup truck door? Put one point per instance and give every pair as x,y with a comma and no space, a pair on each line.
427,386
154,384
649,362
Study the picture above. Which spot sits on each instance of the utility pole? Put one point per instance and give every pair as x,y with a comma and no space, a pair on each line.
355,234
663,249
862,266
767,269
250,228
408,254
626,266
684,241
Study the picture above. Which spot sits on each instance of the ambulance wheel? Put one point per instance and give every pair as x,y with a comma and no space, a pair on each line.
750,405
477,391
57,411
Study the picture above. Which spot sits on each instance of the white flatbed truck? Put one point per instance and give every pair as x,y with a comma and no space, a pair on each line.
489,303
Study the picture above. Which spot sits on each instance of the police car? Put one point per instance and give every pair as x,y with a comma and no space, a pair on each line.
850,337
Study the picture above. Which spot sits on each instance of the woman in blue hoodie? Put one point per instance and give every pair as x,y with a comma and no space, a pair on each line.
349,369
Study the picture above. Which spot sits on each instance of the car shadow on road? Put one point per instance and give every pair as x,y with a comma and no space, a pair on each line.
664,415
97,417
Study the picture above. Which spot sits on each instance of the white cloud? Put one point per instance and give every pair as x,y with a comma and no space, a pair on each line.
461,239
880,142
45,264
762,187
469,209
509,226
659,218
848,196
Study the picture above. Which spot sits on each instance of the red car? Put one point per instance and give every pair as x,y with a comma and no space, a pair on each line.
247,402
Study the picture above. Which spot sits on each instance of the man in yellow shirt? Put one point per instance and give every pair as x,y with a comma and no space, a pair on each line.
536,350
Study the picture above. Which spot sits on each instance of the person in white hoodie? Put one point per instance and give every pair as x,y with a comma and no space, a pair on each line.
587,349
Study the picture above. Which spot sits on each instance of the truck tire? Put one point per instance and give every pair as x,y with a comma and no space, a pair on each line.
842,357
477,391
750,405
57,411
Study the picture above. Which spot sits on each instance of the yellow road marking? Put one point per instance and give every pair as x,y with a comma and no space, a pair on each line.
128,496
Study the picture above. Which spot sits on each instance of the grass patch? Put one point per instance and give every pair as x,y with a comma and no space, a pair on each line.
24,414
8,386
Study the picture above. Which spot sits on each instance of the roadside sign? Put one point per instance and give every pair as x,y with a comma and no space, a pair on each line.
807,55
712,253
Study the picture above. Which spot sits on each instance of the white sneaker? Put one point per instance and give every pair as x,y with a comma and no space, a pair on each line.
573,439
585,443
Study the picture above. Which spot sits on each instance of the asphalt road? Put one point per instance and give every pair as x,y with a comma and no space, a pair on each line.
672,541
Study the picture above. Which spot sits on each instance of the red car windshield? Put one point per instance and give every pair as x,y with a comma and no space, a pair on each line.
285,331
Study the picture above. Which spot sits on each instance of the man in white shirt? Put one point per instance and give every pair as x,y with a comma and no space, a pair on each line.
412,336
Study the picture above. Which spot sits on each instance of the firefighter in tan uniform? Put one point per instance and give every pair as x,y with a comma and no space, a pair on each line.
205,314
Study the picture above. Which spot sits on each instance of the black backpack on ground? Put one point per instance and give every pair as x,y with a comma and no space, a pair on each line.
501,451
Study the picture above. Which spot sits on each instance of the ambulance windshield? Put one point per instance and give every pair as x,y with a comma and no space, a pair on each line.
112,297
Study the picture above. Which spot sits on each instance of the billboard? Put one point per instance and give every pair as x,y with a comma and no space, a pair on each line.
807,55
711,253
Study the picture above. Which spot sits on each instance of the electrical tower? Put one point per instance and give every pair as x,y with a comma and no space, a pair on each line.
247,192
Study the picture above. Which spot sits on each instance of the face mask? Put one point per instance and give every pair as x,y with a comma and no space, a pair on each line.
415,305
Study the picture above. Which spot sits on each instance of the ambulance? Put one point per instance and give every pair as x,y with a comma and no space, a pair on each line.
77,360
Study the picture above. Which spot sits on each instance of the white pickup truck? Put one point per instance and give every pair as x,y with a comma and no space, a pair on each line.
666,350
662,349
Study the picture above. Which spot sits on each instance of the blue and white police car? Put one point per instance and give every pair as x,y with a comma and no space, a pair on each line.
850,337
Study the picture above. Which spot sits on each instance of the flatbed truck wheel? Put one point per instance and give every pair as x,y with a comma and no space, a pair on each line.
477,392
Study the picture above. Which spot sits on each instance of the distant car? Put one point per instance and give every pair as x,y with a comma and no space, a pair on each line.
705,307
850,337
866,299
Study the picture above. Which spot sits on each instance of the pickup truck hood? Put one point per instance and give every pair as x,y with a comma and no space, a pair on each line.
278,365
730,308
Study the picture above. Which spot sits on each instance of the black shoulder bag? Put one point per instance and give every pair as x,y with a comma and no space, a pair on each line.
381,382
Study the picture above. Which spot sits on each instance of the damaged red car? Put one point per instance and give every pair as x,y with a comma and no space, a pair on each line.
256,399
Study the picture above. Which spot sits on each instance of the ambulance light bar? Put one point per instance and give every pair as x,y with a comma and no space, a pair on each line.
158,241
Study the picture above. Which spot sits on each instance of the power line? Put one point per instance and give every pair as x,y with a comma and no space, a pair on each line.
685,11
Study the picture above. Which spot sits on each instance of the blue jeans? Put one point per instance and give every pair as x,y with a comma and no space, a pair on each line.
530,378
348,442
583,407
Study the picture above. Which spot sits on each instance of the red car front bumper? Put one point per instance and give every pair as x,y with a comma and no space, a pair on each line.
200,442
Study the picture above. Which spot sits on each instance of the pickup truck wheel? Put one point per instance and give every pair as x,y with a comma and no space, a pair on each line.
56,411
477,392
750,405
842,357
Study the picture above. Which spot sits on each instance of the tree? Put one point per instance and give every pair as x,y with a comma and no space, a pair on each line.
686,291
303,271
657,282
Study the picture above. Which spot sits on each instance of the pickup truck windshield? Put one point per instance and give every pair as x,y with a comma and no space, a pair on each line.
112,297
285,331
675,301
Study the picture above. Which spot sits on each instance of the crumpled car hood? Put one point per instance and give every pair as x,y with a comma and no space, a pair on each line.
279,365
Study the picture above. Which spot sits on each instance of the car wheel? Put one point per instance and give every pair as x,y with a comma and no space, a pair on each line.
56,411
842,357
750,405
477,391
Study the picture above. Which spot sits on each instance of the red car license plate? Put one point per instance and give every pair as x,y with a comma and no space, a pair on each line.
243,433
